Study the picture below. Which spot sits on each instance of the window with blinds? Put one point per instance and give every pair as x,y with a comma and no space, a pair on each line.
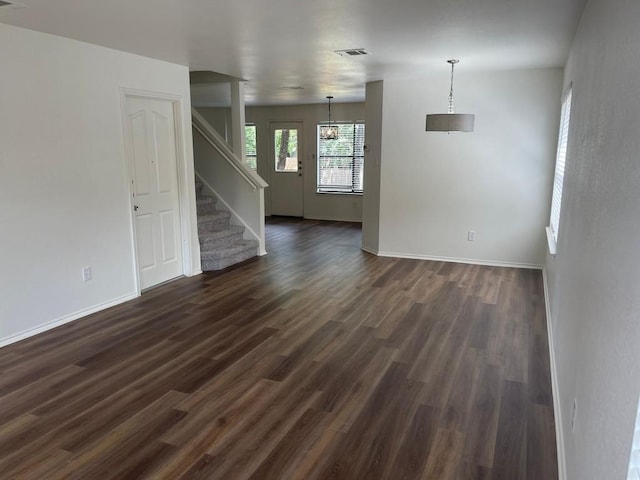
341,160
251,152
634,463
561,157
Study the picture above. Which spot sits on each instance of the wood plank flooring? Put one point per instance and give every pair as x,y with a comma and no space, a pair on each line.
317,361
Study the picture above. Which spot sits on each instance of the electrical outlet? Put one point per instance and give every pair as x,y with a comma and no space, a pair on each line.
574,414
86,274
471,235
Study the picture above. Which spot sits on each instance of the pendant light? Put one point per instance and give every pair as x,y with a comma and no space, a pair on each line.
450,122
329,132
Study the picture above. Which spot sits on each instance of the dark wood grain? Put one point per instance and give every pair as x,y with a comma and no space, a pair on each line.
317,361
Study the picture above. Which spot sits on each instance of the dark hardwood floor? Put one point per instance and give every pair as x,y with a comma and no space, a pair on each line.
317,361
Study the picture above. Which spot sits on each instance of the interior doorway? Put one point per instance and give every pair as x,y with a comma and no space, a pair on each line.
151,138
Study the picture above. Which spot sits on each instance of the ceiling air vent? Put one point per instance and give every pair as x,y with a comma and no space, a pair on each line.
352,52
11,5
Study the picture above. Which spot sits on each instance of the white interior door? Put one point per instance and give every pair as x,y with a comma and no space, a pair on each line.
151,133
286,183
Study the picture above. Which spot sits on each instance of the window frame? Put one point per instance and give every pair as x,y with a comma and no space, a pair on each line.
560,169
333,189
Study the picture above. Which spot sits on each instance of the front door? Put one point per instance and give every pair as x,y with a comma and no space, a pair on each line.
151,138
286,169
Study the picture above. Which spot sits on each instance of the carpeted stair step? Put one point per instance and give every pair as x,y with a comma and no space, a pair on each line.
199,186
206,204
221,244
215,220
221,237
223,257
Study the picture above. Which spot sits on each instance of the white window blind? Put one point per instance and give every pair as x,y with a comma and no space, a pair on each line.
341,161
634,463
561,158
250,149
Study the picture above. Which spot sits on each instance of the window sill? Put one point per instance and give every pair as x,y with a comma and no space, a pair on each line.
358,194
551,242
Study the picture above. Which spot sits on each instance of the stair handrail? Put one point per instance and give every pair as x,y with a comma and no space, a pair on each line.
203,127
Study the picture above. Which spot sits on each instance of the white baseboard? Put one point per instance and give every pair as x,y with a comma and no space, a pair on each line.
334,219
470,261
562,468
66,319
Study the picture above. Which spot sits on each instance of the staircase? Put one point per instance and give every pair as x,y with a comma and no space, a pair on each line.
221,244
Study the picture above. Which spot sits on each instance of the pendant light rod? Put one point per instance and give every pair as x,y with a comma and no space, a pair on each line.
453,64
329,97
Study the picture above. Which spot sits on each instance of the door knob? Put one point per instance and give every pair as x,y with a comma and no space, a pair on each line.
135,207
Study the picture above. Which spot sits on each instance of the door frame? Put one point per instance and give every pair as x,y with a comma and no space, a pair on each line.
301,156
181,171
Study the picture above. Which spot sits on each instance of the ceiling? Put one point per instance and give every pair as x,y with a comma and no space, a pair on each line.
278,46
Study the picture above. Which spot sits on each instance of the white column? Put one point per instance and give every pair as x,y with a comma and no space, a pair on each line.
372,167
237,119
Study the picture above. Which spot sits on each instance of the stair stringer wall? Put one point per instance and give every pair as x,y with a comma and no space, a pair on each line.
234,194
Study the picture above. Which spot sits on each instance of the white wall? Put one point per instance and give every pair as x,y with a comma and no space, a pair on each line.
64,195
594,280
322,206
496,181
